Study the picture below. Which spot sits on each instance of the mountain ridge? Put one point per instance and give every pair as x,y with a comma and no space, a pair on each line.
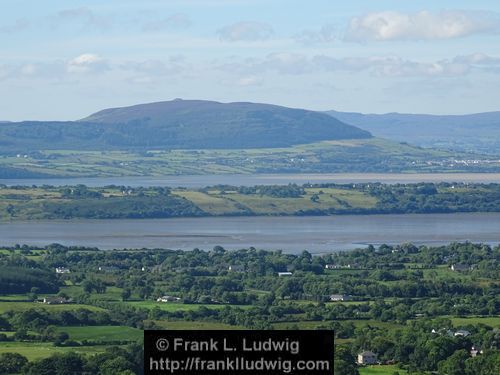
181,124
476,132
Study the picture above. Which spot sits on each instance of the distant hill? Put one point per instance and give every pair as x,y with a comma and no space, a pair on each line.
474,133
181,124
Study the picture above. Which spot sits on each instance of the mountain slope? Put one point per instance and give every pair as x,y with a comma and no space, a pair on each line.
180,124
207,124
475,132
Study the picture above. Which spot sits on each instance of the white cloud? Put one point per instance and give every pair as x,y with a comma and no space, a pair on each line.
246,31
245,72
17,26
173,22
327,34
280,62
393,66
249,81
87,63
385,66
149,71
424,25
83,17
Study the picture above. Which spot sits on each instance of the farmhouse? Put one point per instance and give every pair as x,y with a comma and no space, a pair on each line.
339,297
460,267
56,300
168,299
108,269
367,358
236,268
461,333
332,266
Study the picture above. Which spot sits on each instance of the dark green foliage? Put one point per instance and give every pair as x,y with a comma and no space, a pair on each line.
12,363
133,207
115,361
344,362
275,191
21,280
8,172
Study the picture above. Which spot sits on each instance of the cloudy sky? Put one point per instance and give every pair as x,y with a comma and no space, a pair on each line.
64,59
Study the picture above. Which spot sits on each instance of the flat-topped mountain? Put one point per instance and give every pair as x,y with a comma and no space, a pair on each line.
181,124
208,124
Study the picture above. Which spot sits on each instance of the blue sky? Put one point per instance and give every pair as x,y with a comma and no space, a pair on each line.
66,59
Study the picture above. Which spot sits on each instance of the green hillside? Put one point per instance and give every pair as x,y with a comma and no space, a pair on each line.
343,156
179,124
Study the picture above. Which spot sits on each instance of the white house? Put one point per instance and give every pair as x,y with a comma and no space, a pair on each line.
461,333
55,300
236,268
62,270
168,299
281,274
332,266
367,358
460,267
339,297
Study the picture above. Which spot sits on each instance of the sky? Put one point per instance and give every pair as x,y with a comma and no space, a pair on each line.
63,60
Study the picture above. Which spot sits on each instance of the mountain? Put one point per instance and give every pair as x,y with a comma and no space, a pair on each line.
208,124
180,124
474,133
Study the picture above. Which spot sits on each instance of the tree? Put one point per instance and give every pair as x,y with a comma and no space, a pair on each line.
126,293
118,365
344,363
87,286
12,363
454,364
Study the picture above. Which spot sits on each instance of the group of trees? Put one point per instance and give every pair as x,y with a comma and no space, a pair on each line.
114,202
14,280
115,361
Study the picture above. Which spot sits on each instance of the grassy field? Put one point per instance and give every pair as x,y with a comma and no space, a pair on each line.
181,325
327,198
312,325
381,370
492,321
103,333
20,306
377,154
112,293
175,306
34,351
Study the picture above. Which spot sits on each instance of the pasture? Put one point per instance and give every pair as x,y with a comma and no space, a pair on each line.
103,333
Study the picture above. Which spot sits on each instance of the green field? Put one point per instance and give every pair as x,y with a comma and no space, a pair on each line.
112,293
103,333
34,351
181,325
381,370
311,325
359,155
492,321
175,306
21,306
231,202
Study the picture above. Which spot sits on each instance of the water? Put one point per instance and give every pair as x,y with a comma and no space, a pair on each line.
290,234
199,181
